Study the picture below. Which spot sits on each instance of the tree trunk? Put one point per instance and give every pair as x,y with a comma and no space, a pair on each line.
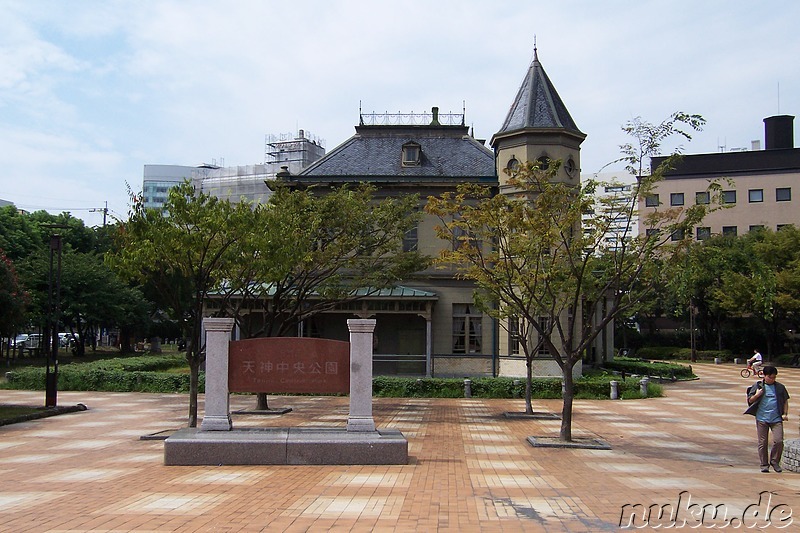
566,410
194,382
529,376
261,402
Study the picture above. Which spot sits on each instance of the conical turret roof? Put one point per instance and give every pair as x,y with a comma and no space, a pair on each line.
537,105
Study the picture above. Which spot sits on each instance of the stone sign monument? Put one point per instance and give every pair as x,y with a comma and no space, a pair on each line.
298,365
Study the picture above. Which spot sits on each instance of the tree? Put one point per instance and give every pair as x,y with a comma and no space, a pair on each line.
765,284
314,251
538,262
184,253
13,298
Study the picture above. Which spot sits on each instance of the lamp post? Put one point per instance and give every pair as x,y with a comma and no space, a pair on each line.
54,305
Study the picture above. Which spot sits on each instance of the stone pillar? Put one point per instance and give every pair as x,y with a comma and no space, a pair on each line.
217,416
614,390
360,418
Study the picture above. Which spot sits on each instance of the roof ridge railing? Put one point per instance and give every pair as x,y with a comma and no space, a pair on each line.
410,119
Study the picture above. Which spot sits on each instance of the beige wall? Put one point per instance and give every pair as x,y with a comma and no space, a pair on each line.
743,214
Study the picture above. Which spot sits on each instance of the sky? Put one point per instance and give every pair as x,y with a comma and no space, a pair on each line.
92,91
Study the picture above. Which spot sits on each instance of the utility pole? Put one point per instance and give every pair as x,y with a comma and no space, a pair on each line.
104,210
54,301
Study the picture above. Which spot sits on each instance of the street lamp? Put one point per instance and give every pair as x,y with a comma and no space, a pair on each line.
54,305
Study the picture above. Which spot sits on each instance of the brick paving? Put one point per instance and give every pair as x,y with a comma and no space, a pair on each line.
470,469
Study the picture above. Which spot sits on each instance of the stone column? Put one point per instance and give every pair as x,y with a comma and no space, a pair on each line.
217,416
360,418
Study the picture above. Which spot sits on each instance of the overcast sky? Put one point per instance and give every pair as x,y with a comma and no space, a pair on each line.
91,91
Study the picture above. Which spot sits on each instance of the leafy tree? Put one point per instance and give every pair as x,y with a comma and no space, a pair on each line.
19,236
184,253
13,298
539,263
765,284
314,251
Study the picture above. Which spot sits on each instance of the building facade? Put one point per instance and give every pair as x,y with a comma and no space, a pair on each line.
429,323
759,187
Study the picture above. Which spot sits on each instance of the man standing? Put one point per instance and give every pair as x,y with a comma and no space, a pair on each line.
769,402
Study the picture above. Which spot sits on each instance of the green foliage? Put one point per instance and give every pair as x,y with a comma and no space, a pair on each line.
594,387
645,368
13,298
317,249
133,374
657,352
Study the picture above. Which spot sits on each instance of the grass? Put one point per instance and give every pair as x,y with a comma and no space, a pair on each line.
8,412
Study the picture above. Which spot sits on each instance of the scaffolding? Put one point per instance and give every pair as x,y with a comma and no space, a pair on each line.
293,151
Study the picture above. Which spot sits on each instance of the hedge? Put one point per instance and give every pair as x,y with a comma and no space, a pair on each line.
146,374
645,368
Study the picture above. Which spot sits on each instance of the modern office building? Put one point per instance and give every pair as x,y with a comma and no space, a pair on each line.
159,179
235,183
759,187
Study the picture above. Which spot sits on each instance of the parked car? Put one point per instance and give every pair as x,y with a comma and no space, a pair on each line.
19,340
65,340
34,340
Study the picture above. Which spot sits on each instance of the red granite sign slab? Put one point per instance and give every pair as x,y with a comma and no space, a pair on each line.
290,365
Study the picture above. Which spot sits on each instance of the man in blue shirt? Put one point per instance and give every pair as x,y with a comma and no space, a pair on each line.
769,402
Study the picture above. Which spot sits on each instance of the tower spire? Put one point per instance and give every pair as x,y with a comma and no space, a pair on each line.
535,51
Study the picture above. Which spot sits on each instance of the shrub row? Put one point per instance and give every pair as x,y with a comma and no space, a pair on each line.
646,368
685,354
594,387
145,374
74,377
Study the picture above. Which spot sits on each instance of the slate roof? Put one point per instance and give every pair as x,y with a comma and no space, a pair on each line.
537,105
733,163
375,152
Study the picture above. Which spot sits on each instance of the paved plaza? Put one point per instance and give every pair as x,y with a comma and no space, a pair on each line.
470,467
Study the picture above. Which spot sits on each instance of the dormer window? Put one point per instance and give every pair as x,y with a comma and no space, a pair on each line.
411,154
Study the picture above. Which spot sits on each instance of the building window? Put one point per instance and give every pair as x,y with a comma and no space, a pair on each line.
678,235
462,237
728,197
544,323
513,164
543,162
652,232
676,198
466,329
411,155
703,233
410,240
702,198
729,231
755,195
756,227
781,226
513,335
571,167
651,200
783,194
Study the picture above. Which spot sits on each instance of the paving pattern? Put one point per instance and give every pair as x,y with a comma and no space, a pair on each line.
470,469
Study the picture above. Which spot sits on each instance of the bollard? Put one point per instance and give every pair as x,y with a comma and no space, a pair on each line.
717,361
516,383
643,386
467,388
615,390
